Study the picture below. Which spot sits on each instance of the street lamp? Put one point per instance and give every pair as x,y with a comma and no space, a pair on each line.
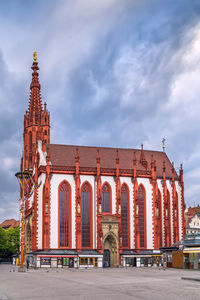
23,178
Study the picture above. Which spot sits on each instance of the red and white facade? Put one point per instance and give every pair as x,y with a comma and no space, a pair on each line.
91,200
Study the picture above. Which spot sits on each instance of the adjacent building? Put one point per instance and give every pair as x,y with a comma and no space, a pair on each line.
10,223
192,217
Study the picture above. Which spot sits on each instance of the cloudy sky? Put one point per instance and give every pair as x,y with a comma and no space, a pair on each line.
113,73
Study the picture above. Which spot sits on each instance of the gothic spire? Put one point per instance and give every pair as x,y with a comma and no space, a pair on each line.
36,120
35,103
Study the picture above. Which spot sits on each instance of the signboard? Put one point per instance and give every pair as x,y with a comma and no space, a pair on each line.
45,260
59,261
66,261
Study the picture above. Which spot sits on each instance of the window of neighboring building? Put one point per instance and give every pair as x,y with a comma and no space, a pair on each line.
124,215
64,213
86,209
106,198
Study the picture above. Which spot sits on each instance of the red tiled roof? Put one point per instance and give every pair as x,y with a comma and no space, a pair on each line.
190,213
12,223
64,155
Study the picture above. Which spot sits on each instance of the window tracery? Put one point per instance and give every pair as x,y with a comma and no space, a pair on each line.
86,222
124,215
106,199
64,211
141,215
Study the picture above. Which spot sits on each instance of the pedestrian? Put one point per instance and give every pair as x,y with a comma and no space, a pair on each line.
27,263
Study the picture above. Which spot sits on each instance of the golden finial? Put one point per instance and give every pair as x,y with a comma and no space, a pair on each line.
163,143
34,57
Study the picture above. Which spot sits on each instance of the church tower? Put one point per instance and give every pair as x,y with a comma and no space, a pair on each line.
36,120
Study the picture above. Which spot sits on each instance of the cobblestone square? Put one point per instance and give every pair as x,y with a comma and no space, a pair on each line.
110,283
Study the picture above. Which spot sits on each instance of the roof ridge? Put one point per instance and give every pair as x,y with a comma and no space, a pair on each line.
106,147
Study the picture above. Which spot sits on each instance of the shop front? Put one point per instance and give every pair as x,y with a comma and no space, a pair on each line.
192,251
90,259
167,255
130,258
192,258
53,259
157,260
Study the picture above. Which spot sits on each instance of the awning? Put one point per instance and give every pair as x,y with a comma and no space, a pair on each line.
58,256
191,250
136,255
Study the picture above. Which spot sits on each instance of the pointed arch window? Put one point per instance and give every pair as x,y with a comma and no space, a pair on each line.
159,216
106,199
167,221
65,215
141,215
175,219
124,215
86,216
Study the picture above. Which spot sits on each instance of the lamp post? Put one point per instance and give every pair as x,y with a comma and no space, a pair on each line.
22,177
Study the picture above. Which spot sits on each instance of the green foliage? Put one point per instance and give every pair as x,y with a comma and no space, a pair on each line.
9,242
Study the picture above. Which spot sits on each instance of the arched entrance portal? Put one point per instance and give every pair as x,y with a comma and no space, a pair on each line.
110,251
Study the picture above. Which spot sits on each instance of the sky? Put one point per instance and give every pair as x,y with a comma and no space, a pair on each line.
114,73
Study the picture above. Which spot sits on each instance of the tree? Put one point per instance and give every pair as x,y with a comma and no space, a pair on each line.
3,242
9,242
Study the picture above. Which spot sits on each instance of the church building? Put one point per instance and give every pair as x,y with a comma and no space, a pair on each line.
95,206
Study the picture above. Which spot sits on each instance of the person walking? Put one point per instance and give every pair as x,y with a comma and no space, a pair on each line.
27,263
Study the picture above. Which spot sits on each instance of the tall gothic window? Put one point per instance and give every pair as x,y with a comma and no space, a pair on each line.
124,215
167,221
175,221
86,209
106,199
141,215
64,211
159,220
